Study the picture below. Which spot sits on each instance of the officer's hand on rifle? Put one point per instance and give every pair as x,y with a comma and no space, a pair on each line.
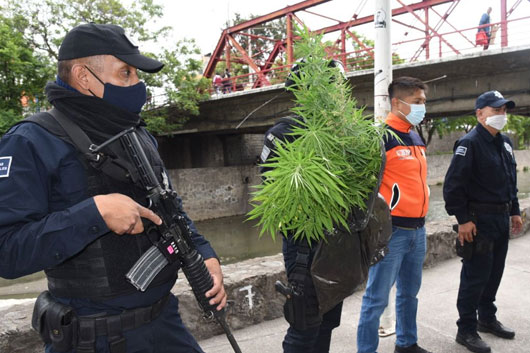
217,294
466,232
122,214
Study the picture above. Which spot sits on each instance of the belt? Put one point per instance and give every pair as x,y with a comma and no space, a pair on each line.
114,325
490,207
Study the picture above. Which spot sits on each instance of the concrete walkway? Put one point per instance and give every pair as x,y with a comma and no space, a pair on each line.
436,314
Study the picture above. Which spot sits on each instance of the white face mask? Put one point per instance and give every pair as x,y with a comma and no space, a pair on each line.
497,121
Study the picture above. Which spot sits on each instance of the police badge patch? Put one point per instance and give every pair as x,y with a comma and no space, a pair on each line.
461,151
5,165
265,153
508,148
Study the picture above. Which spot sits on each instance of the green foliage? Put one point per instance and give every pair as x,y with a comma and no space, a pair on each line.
444,126
36,29
333,163
23,72
183,85
258,45
50,20
517,124
520,126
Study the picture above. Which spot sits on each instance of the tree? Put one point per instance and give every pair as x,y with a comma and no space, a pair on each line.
258,45
50,20
42,26
23,72
520,126
517,124
444,126
183,85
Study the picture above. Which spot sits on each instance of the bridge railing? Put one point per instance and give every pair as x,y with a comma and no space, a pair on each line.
439,45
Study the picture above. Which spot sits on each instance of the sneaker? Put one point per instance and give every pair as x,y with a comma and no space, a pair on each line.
473,342
496,328
410,349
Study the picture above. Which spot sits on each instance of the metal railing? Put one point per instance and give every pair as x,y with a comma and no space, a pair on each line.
451,43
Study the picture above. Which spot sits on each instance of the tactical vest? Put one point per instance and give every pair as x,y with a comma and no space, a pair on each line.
98,271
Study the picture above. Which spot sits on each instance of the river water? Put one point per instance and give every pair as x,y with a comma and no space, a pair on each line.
235,239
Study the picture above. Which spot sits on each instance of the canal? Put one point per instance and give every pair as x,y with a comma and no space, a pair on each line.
235,239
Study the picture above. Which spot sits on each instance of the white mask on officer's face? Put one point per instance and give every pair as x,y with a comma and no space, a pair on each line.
497,121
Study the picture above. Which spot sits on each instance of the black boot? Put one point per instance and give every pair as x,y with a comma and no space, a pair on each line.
473,342
410,349
496,328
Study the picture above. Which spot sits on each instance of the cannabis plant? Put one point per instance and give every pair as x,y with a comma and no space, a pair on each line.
333,163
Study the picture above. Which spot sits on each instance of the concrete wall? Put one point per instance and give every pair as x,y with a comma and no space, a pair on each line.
215,192
224,191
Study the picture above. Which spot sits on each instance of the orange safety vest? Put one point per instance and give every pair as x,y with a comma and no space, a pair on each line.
404,184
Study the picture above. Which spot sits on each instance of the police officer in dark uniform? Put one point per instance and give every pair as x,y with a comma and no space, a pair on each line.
309,332
82,225
480,189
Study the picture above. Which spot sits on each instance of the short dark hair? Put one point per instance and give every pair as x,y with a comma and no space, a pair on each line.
64,67
405,86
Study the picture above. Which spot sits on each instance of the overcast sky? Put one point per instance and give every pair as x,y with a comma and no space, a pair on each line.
203,20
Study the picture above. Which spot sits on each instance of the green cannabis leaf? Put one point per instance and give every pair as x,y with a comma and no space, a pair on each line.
333,164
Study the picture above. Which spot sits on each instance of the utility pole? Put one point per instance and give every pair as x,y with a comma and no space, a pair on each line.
382,58
382,78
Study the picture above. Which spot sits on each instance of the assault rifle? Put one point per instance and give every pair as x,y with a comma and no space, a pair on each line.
175,243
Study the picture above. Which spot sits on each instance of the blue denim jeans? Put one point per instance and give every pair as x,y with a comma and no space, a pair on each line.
403,265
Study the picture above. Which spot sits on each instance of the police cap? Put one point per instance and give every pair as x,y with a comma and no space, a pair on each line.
105,39
493,99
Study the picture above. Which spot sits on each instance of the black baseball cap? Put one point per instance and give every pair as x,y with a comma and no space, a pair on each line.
105,39
493,99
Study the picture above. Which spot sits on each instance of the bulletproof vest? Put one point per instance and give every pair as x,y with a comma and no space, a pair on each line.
98,271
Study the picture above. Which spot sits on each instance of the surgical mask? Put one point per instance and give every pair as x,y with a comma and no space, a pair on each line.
131,98
497,121
417,113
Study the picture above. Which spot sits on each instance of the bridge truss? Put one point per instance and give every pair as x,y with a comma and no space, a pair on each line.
270,63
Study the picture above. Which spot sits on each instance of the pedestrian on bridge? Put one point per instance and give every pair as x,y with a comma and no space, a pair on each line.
480,190
484,30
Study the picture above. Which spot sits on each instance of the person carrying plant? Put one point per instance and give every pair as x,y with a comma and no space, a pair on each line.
404,188
308,331
321,170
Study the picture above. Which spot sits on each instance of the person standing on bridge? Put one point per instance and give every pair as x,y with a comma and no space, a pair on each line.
83,222
480,190
405,190
485,28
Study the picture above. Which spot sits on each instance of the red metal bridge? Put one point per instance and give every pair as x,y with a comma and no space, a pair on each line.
421,30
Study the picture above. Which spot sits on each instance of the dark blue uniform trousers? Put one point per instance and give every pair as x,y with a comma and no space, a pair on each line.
316,339
166,333
480,277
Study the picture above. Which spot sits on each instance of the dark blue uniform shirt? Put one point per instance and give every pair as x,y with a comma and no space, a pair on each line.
483,170
46,216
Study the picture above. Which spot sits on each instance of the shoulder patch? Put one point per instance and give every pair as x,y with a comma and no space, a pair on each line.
5,165
461,151
508,148
265,153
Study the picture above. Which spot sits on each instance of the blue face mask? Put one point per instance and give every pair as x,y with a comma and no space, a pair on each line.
131,98
417,113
